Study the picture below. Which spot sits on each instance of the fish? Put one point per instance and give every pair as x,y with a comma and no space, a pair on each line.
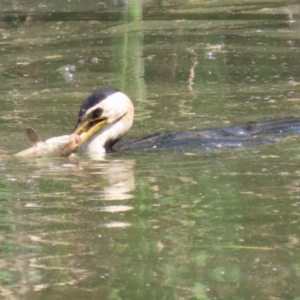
59,146
4,153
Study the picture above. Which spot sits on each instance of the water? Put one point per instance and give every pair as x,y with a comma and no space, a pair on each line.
150,224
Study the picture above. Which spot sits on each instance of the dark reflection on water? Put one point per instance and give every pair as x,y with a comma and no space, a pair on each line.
19,18
153,224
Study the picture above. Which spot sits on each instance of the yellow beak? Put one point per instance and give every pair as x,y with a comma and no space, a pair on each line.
85,129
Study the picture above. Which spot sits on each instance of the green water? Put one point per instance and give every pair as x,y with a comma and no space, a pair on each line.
150,224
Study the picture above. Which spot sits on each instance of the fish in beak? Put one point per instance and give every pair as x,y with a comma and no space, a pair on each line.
60,146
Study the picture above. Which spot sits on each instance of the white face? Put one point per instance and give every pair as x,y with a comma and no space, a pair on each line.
114,107
114,120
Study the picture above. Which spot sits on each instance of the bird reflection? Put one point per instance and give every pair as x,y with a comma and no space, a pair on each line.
120,180
112,178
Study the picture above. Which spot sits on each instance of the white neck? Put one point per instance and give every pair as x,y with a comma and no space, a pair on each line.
96,143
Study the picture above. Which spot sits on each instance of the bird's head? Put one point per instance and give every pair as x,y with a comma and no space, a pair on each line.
103,118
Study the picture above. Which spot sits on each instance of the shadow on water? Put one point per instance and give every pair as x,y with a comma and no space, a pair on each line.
150,224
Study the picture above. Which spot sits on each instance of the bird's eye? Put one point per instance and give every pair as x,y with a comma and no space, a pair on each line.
97,113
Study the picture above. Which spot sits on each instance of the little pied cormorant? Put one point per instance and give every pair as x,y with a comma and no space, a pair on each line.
107,115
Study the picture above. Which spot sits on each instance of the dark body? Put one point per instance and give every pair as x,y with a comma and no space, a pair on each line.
250,134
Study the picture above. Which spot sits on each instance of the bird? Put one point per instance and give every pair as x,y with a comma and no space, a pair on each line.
107,115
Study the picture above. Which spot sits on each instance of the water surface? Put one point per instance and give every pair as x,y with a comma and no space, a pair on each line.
150,224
